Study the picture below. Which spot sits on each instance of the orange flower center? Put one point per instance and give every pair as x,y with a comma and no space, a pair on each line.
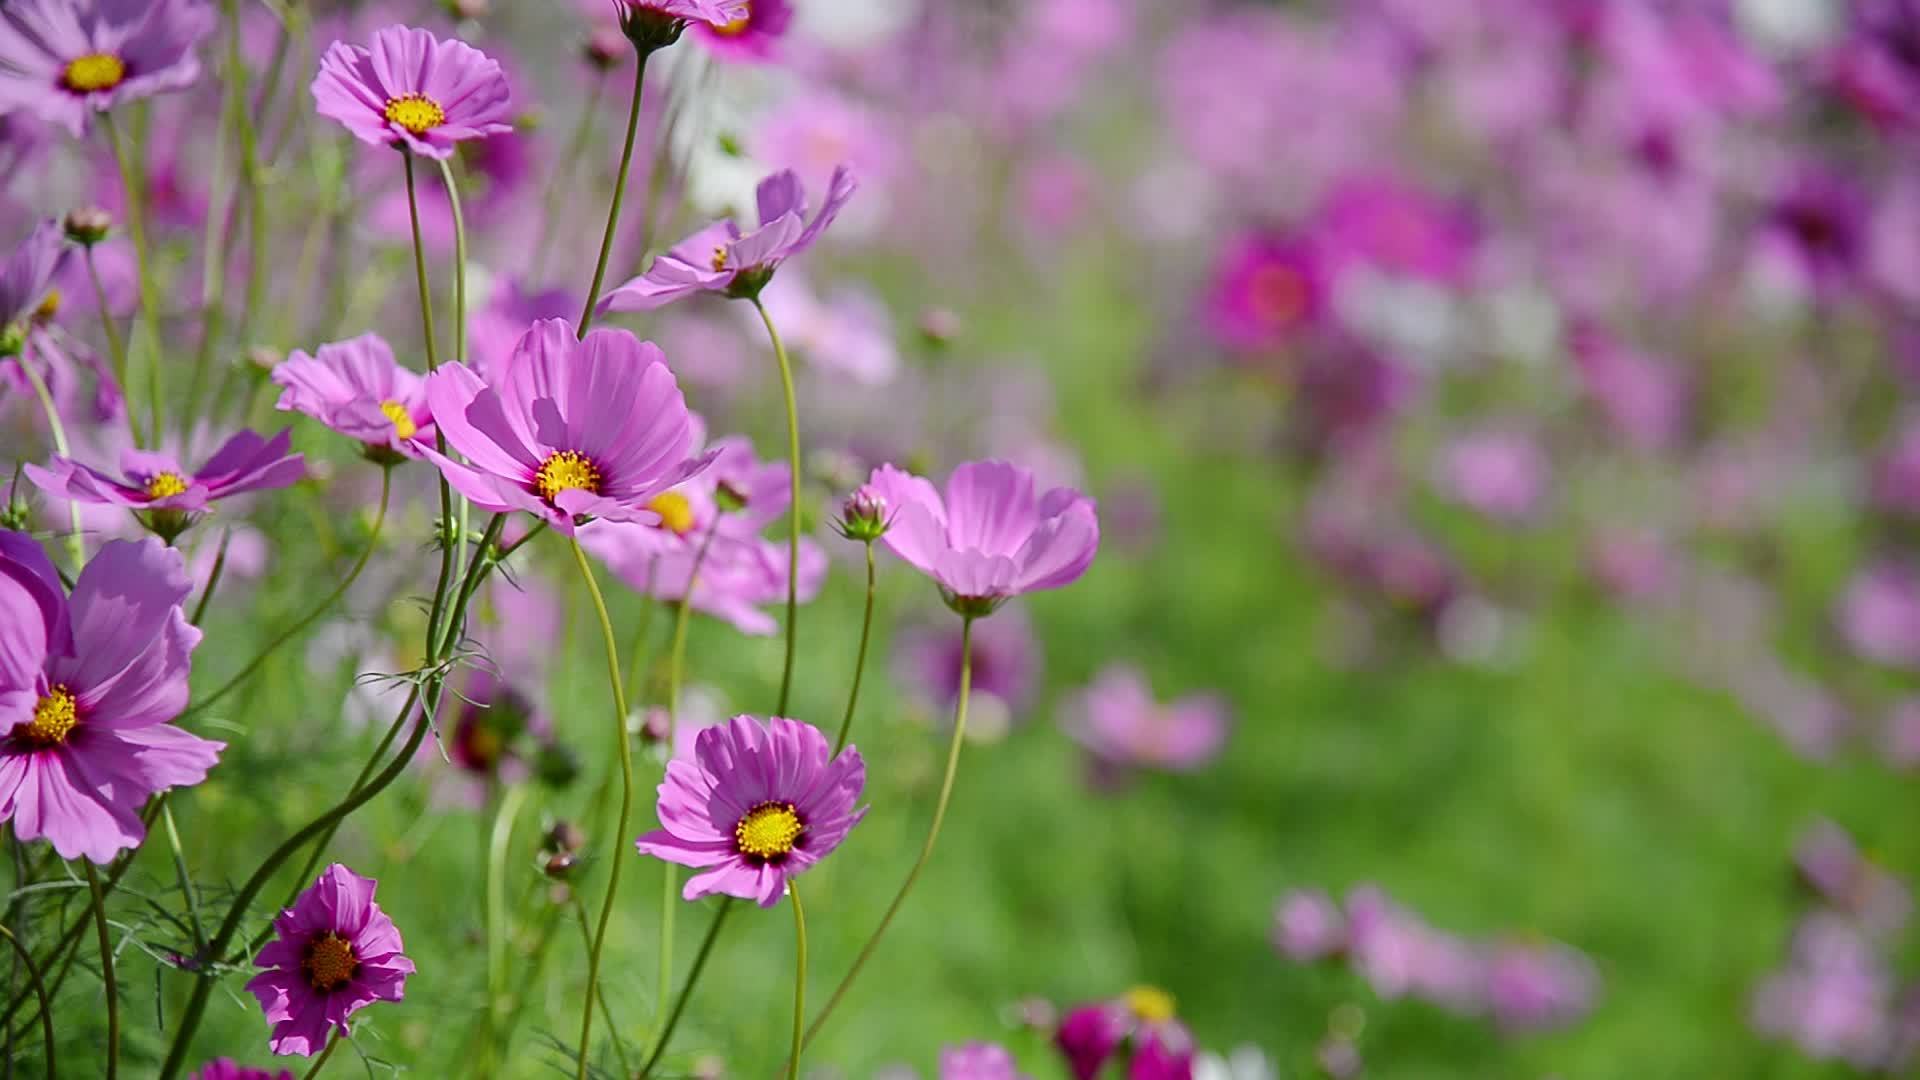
418,113
330,963
94,72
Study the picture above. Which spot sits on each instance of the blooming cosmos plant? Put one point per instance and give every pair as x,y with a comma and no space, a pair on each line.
569,429
758,805
156,481
1139,1024
336,952
356,388
62,59
87,685
752,36
412,90
990,538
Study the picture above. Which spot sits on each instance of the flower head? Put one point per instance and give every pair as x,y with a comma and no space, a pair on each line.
26,281
413,90
356,388
752,36
1266,289
335,953
62,59
722,259
1140,1022
655,24
1122,726
568,429
759,804
88,682
167,493
979,1061
990,537
228,1069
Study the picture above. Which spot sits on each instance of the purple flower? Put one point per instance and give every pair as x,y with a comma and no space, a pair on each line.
1266,289
413,90
497,326
228,1069
759,805
356,388
1141,1022
1832,999
990,537
87,685
154,480
61,59
1831,864
26,281
1539,987
1308,925
1122,726
722,259
1396,227
336,952
1879,615
1819,225
752,36
1641,396
1005,666
569,428
1501,474
978,1061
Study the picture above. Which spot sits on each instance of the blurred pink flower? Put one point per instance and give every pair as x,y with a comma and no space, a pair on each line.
1502,474
1120,724
1879,614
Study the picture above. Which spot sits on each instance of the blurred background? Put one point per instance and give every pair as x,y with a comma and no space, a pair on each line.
1501,659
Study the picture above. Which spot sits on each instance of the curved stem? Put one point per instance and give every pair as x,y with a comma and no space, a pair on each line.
332,598
321,1062
859,659
799,978
586,938
933,831
106,970
625,749
619,194
213,578
793,508
39,991
420,264
137,231
185,879
76,544
686,991
116,345
459,262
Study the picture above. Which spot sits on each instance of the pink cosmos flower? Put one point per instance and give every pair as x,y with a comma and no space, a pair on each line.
1266,289
752,36
1140,1024
26,281
1308,925
990,537
760,805
357,388
335,953
979,1061
722,259
1502,474
569,428
1879,614
153,480
1539,987
1389,224
228,1069
62,59
88,682
413,90
1123,727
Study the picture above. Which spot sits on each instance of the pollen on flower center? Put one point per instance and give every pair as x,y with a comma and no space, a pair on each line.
719,259
676,513
330,962
49,306
567,470
769,831
165,485
1150,1004
94,72
53,717
403,425
418,113
736,27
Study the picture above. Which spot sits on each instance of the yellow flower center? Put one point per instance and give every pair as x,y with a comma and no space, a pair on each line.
676,513
418,113
768,832
736,27
94,72
1150,1004
165,485
403,425
330,962
49,306
53,718
567,470
719,259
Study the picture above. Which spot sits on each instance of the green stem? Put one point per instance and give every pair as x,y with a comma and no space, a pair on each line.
606,1012
933,832
39,991
619,194
106,970
137,231
76,544
185,879
420,264
360,564
321,1062
793,509
799,978
859,659
576,145
500,837
459,263
213,578
116,346
686,991
625,749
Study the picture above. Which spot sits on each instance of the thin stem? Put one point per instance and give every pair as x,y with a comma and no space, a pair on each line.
686,991
859,659
500,837
76,544
321,1062
40,991
799,978
576,145
420,263
625,749
933,831
459,262
213,578
137,230
106,970
586,938
613,209
793,508
185,878
326,603
116,345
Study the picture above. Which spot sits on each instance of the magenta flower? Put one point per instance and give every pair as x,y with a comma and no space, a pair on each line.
1267,288
722,259
156,482
569,429
979,1061
990,538
26,283
1123,727
61,59
759,805
1140,1024
413,90
753,36
357,388
655,24
336,952
228,1069
87,685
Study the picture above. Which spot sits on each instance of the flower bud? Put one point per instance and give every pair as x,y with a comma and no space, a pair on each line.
730,497
565,836
468,9
939,326
604,48
648,27
560,866
863,516
88,225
